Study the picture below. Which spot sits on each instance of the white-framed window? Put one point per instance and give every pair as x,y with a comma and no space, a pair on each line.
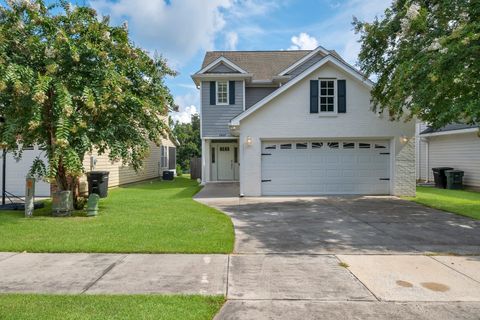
349,145
163,156
326,95
222,92
301,145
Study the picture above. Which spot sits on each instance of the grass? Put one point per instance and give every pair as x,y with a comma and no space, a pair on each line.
69,307
151,217
465,203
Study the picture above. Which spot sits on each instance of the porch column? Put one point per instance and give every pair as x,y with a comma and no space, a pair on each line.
205,161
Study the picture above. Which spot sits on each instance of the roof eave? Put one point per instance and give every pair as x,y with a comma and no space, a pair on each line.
449,132
197,78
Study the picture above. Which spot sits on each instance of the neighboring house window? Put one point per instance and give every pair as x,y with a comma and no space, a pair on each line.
327,95
222,92
213,155
164,156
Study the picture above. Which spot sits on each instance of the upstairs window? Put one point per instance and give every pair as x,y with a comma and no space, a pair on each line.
222,92
327,95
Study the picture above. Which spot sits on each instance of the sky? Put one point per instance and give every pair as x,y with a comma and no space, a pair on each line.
183,30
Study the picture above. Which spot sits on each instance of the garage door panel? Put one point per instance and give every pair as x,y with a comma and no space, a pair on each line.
326,170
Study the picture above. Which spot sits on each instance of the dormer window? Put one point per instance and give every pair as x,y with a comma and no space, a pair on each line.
222,92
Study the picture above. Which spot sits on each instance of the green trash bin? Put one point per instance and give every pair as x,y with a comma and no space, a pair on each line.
454,179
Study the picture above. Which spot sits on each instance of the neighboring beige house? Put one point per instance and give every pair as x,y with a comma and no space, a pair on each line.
161,158
455,145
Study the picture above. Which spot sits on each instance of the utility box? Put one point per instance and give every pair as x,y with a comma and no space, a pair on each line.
92,205
29,196
454,179
439,176
98,183
62,203
167,175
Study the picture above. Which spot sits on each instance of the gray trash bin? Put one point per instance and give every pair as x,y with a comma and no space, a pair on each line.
439,176
98,183
454,179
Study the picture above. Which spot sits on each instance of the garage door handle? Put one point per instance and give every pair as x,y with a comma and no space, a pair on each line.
266,180
384,179
384,152
266,154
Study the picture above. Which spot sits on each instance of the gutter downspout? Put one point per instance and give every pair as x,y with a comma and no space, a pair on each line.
427,160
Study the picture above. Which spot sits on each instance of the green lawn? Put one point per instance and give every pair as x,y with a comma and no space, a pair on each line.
466,203
69,307
152,217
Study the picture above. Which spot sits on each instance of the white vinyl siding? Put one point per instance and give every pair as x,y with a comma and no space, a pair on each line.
459,151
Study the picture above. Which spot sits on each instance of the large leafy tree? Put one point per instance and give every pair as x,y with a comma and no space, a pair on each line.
190,143
70,82
426,57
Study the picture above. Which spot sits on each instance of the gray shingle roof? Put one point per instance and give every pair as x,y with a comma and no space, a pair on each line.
263,65
450,127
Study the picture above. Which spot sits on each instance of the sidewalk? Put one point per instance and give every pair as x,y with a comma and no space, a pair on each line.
248,276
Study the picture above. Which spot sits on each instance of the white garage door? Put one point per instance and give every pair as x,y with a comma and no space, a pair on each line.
325,167
17,171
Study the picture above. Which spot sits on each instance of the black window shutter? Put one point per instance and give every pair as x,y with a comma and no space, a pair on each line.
313,96
212,93
342,96
231,90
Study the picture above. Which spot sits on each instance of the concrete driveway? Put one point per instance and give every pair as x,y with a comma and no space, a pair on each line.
342,225
352,257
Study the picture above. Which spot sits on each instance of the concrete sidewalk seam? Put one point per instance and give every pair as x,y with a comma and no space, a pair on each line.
363,284
11,256
228,275
107,270
458,271
306,299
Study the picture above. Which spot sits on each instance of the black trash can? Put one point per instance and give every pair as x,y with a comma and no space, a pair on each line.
454,179
439,177
167,175
98,183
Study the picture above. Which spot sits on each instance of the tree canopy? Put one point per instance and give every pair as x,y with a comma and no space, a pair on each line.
190,143
426,58
70,82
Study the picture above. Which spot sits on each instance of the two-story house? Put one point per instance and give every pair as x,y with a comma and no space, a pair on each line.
298,123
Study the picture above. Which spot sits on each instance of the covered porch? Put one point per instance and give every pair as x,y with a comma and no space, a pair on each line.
220,160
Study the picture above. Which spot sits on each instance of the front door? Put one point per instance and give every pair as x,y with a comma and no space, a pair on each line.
225,162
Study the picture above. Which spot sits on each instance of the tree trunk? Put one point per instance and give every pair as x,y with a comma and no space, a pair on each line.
67,182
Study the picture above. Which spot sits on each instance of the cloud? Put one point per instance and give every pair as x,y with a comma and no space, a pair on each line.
249,8
177,29
303,42
231,39
184,116
187,106
337,32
